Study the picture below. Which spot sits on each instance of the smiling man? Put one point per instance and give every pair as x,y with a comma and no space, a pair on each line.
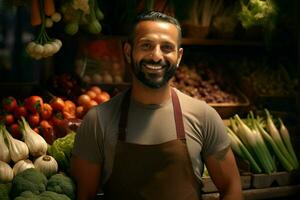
152,141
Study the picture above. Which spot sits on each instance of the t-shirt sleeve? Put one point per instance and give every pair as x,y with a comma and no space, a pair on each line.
215,135
88,142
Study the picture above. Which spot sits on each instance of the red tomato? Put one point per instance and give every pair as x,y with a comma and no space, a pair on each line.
69,110
34,119
58,119
20,111
47,111
9,104
84,99
34,104
9,119
91,94
57,104
103,97
15,131
47,131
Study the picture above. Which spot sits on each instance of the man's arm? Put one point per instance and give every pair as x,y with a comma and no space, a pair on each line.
223,170
87,177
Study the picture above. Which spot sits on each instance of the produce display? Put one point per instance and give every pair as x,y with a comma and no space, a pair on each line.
202,83
264,142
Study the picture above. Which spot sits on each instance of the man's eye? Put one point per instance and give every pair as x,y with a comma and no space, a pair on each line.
145,46
167,48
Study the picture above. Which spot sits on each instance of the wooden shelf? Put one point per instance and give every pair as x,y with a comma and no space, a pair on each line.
216,42
264,193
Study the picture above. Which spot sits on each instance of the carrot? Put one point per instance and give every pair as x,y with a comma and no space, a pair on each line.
49,7
35,13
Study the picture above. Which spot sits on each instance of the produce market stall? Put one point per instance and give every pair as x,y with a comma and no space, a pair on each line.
64,57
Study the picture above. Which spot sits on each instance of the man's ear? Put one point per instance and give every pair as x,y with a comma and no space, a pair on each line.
180,53
127,52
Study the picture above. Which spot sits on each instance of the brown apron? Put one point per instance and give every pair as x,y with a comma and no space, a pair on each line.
154,172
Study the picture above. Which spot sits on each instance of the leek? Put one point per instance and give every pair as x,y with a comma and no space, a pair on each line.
253,140
240,149
284,162
287,141
277,139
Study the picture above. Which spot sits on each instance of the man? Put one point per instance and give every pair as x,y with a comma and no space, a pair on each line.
150,141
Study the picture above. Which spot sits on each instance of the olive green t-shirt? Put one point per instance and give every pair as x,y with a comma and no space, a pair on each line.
150,124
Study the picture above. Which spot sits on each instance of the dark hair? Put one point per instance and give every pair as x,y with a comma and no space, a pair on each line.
154,16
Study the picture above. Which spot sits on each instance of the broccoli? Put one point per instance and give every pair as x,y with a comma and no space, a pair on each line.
29,180
48,195
28,195
62,184
5,190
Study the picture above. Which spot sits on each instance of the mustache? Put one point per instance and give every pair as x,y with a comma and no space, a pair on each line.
152,62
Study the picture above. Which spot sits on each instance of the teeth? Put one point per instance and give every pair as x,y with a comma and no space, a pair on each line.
155,67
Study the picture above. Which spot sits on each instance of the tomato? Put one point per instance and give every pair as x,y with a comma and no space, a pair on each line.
57,104
47,111
59,125
58,119
69,110
91,94
80,112
84,99
96,89
102,97
9,104
34,104
15,131
20,111
47,131
90,104
34,119
9,119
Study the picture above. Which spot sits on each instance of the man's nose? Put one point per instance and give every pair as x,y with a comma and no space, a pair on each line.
157,54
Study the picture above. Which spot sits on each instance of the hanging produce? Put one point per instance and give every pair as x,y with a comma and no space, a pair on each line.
43,14
84,13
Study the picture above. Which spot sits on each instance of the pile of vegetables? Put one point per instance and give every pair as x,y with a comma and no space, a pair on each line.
267,147
23,154
32,184
43,14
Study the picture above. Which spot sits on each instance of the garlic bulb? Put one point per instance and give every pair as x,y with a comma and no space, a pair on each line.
4,151
6,172
36,144
46,164
18,150
21,165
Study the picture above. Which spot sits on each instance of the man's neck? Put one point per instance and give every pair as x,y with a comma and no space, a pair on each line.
146,95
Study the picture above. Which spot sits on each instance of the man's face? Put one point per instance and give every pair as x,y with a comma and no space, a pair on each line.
154,54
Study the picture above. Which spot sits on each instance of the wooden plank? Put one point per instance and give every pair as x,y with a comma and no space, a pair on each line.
264,193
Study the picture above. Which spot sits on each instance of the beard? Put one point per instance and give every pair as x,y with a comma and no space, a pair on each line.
153,80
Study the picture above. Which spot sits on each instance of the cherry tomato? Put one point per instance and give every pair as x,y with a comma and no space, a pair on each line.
47,111
9,104
34,119
9,119
15,131
20,111
57,104
34,104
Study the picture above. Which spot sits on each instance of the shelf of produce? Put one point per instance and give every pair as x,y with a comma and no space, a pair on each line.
263,193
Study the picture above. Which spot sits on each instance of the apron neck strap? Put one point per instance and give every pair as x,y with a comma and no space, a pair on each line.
124,115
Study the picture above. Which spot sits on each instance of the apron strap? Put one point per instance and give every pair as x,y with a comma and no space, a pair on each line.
177,115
